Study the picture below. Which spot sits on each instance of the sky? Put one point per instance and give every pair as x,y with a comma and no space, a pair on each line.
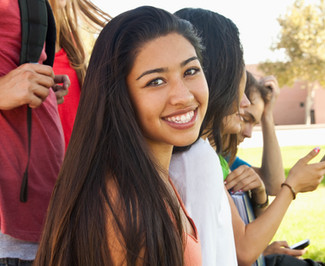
255,19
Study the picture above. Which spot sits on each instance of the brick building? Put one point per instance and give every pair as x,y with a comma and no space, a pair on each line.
290,105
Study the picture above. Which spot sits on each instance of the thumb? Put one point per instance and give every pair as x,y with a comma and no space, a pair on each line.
312,154
283,243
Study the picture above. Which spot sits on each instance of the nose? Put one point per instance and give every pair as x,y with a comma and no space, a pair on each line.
180,93
247,130
244,103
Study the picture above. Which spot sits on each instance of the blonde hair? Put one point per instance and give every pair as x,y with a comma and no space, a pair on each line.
68,20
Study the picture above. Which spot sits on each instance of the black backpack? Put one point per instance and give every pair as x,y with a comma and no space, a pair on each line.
37,28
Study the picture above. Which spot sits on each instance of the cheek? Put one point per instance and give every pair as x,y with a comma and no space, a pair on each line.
149,107
247,129
232,124
236,124
138,106
201,93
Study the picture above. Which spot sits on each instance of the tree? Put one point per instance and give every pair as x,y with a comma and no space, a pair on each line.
303,39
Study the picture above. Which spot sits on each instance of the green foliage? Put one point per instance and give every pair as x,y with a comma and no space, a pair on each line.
290,154
305,219
305,216
302,38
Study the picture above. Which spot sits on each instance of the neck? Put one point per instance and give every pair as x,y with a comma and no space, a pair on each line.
162,155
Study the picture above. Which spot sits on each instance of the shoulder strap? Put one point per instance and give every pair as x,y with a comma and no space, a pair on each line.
35,17
34,22
50,36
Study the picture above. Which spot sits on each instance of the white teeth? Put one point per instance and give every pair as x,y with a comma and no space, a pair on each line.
181,119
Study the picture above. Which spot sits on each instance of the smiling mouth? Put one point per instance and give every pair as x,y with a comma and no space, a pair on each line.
181,119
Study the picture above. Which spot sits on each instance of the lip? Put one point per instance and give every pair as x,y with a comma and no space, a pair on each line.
186,125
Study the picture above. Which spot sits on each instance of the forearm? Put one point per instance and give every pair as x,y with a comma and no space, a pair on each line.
271,171
252,239
260,202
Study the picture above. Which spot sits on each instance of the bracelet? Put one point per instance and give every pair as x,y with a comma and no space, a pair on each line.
262,205
291,188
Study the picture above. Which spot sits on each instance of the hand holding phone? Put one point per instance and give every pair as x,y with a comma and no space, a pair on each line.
301,245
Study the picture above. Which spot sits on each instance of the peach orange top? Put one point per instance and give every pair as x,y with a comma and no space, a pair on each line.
192,252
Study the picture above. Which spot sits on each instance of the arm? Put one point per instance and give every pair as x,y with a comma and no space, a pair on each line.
27,84
271,170
249,243
253,238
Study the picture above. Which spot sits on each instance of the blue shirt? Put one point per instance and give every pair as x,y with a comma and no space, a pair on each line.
238,162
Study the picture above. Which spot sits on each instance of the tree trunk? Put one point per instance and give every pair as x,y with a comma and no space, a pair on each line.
309,102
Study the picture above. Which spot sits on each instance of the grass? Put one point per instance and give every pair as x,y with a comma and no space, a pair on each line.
305,217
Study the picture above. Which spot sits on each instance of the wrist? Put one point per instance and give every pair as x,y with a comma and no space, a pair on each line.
260,201
293,191
263,204
267,119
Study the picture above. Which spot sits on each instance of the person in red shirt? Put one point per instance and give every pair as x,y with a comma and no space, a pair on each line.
70,56
38,154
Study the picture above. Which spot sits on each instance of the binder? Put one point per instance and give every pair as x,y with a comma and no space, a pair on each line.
246,212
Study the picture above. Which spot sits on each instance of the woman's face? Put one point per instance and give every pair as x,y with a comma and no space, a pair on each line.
169,92
232,123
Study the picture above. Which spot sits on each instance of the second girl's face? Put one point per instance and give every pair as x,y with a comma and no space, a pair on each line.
232,123
169,92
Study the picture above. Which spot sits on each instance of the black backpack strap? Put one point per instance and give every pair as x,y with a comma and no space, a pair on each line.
34,24
24,184
50,36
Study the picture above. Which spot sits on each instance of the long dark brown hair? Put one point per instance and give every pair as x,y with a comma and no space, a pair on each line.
223,65
68,21
107,147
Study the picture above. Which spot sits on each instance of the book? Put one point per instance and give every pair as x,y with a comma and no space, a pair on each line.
244,206
246,212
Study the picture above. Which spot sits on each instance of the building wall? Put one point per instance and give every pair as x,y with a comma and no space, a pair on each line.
319,106
290,106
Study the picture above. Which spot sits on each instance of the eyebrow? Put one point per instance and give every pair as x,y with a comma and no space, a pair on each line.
251,116
162,69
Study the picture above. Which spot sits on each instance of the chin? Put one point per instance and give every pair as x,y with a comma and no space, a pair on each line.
186,141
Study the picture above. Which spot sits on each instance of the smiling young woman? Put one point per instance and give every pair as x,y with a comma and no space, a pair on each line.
169,92
114,203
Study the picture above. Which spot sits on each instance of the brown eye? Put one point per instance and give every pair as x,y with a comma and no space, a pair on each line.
191,71
155,82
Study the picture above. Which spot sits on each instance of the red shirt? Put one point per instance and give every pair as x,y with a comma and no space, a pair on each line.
25,220
68,109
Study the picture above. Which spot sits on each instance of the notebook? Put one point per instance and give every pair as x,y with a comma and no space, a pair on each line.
246,212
